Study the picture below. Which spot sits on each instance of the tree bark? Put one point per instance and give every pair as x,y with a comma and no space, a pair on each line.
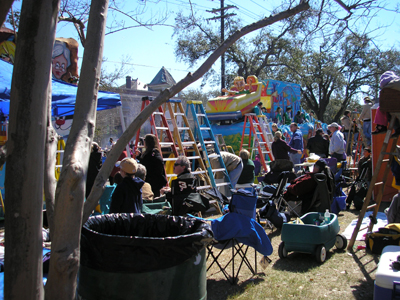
70,192
112,157
50,181
30,89
5,6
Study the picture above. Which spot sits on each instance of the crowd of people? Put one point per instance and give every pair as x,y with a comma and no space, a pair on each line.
144,178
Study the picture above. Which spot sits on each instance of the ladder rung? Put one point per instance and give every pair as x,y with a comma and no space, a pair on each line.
205,128
378,183
385,160
198,172
170,159
214,155
162,128
58,166
389,153
179,114
218,170
59,151
209,142
188,143
158,113
193,157
371,206
171,175
183,128
222,184
166,144
200,115
203,187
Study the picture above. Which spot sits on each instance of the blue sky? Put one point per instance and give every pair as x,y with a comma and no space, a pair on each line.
150,49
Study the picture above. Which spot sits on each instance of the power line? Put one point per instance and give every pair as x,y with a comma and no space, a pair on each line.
146,66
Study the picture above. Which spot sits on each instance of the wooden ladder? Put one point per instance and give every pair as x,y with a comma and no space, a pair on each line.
259,144
196,109
267,131
381,160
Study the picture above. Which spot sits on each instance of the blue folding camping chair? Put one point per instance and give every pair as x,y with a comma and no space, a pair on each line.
238,230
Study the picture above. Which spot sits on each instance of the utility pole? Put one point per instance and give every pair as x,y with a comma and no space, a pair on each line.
222,16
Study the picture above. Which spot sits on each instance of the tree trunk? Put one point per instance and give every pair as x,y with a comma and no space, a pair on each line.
5,6
50,181
112,157
30,90
70,192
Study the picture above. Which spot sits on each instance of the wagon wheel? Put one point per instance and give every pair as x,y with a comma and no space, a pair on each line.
282,252
320,254
341,242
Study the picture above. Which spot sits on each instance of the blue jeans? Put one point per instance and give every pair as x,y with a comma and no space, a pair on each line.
235,174
295,158
367,131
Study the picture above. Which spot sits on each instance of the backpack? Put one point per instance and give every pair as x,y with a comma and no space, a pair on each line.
385,236
270,212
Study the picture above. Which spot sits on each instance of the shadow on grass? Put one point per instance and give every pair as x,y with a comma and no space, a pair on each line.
299,262
363,290
222,289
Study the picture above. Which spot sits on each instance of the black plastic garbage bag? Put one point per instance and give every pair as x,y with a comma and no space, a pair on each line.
135,243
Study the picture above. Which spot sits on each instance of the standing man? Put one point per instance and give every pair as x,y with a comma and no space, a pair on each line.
318,144
336,146
296,143
365,117
346,123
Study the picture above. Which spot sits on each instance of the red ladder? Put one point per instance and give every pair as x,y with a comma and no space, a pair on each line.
154,129
257,132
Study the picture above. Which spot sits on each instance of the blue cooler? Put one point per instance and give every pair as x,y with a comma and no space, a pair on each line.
385,275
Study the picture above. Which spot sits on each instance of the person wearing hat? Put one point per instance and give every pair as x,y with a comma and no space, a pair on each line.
337,143
366,162
287,120
127,196
365,117
318,145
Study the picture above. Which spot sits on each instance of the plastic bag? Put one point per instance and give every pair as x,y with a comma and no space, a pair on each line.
134,243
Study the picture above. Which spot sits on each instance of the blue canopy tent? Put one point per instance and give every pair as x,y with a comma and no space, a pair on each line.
63,94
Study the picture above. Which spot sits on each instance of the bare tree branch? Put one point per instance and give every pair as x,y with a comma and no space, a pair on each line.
101,178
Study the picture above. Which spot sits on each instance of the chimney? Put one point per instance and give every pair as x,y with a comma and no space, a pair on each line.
128,82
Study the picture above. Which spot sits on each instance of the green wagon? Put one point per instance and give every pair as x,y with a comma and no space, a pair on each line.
311,238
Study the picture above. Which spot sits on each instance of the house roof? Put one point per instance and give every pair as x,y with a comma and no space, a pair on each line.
163,77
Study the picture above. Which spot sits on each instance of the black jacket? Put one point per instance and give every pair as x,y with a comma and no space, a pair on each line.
318,145
127,196
154,164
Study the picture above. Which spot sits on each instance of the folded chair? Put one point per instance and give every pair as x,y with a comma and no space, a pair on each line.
236,232
281,203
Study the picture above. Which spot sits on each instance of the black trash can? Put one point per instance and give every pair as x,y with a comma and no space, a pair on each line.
135,256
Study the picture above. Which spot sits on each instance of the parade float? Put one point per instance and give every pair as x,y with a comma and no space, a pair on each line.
226,112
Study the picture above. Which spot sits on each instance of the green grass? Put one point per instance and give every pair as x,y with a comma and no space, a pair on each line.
343,275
